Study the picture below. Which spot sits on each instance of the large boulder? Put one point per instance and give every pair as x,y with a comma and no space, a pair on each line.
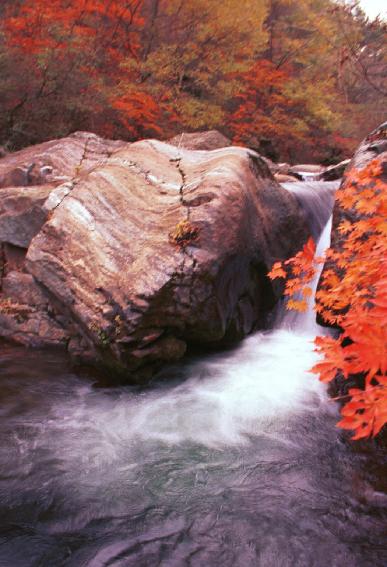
159,248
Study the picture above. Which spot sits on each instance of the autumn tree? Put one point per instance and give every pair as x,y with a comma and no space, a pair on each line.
360,70
190,54
297,109
262,111
308,42
67,56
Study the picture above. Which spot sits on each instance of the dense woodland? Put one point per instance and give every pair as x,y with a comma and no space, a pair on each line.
295,79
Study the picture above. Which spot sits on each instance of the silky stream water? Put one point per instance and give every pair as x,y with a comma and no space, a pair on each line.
227,460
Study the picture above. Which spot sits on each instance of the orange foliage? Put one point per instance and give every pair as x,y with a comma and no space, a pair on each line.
273,108
39,24
138,113
262,107
86,44
352,295
300,268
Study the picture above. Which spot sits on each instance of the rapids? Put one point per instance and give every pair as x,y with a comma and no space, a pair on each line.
230,459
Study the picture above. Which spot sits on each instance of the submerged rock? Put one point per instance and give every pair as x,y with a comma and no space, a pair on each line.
153,249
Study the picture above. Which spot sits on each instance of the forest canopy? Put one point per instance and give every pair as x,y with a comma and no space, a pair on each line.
294,79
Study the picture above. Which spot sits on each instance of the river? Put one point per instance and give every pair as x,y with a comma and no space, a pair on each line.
229,459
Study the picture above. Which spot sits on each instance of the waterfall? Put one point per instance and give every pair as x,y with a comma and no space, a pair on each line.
306,322
317,200
224,398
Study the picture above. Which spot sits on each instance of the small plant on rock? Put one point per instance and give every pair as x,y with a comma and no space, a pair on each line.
184,234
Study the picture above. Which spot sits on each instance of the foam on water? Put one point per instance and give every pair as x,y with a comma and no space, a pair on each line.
225,400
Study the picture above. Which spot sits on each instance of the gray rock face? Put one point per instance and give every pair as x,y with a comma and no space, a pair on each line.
375,145
26,316
150,250
22,214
